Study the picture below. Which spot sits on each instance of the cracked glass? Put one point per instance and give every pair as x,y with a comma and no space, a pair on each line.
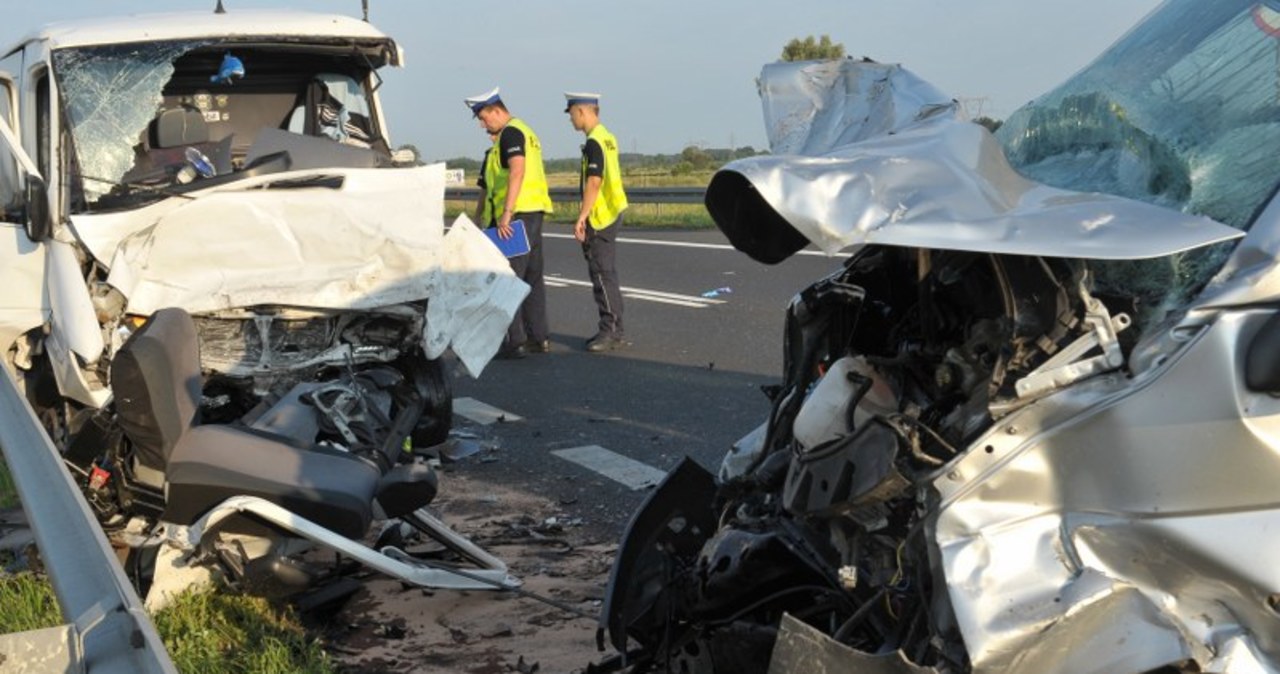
1184,112
110,94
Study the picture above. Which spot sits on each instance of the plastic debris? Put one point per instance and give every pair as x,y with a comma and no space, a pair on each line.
718,292
230,69
455,449
200,163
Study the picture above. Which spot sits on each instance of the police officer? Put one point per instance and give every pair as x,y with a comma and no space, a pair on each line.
516,189
603,202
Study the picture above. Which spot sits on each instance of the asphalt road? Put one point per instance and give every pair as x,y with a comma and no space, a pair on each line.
689,385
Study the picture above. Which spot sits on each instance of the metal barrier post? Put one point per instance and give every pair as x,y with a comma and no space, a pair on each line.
114,633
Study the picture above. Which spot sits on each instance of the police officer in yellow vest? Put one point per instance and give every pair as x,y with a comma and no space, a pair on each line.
516,189
600,217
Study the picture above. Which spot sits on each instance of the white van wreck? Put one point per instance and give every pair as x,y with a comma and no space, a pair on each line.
232,174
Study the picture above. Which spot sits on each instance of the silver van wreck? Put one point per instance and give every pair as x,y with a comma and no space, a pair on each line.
205,209
1030,425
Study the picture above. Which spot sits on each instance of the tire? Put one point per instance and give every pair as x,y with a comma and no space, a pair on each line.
432,382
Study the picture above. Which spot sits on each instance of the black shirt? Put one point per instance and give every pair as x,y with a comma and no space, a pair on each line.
593,159
510,144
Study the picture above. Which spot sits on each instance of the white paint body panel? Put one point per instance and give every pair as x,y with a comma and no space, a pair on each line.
189,25
24,305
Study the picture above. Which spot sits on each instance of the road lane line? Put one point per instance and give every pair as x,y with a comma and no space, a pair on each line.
679,244
677,299
482,413
629,472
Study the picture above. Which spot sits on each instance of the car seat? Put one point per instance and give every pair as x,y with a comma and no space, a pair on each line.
156,380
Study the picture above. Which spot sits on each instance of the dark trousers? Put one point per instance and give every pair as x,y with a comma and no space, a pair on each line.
530,321
599,249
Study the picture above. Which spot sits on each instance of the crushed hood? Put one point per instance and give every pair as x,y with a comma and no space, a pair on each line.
376,240
868,153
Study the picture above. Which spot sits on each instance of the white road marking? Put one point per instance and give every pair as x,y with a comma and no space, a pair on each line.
616,467
679,244
481,413
691,301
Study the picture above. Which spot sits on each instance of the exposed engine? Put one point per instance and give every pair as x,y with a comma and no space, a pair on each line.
259,354
893,366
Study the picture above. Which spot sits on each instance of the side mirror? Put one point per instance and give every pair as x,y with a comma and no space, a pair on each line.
39,224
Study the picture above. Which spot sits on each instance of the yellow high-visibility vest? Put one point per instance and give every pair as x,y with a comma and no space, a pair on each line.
612,200
534,195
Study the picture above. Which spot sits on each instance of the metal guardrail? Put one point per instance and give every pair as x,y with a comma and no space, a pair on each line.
635,195
110,630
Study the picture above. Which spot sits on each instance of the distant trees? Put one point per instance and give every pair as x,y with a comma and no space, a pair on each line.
694,158
810,49
698,158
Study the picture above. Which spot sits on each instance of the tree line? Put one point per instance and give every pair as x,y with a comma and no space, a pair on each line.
692,158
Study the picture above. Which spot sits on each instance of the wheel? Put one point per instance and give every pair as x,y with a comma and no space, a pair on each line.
437,413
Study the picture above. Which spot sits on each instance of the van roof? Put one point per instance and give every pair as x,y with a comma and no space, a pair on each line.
235,24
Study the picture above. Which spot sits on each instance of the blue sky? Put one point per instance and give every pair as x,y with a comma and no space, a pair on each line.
675,73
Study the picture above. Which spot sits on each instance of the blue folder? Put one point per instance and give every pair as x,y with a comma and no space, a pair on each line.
517,245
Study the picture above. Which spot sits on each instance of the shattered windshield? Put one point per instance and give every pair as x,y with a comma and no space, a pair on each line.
151,120
110,94
1184,112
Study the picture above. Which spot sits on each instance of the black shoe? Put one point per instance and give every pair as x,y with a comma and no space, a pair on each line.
511,352
603,342
534,346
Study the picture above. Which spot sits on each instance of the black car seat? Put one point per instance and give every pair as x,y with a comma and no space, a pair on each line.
157,385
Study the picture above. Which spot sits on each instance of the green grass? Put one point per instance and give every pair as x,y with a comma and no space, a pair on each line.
204,633
27,603
8,490
214,632
657,216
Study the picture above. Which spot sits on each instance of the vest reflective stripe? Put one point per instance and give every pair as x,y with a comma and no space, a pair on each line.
534,195
612,200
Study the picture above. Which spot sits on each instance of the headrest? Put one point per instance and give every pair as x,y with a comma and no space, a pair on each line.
177,127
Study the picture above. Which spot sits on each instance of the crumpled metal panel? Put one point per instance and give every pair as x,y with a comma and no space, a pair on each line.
373,242
475,299
811,107
802,649
934,182
1252,274
377,241
1123,523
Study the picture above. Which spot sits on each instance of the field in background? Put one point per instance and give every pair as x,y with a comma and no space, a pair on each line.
676,216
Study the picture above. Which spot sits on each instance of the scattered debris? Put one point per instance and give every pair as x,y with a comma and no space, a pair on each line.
453,450
448,631
717,292
391,630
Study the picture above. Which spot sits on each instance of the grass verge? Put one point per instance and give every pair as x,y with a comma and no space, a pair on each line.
214,632
207,632
204,633
8,490
649,216
27,603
